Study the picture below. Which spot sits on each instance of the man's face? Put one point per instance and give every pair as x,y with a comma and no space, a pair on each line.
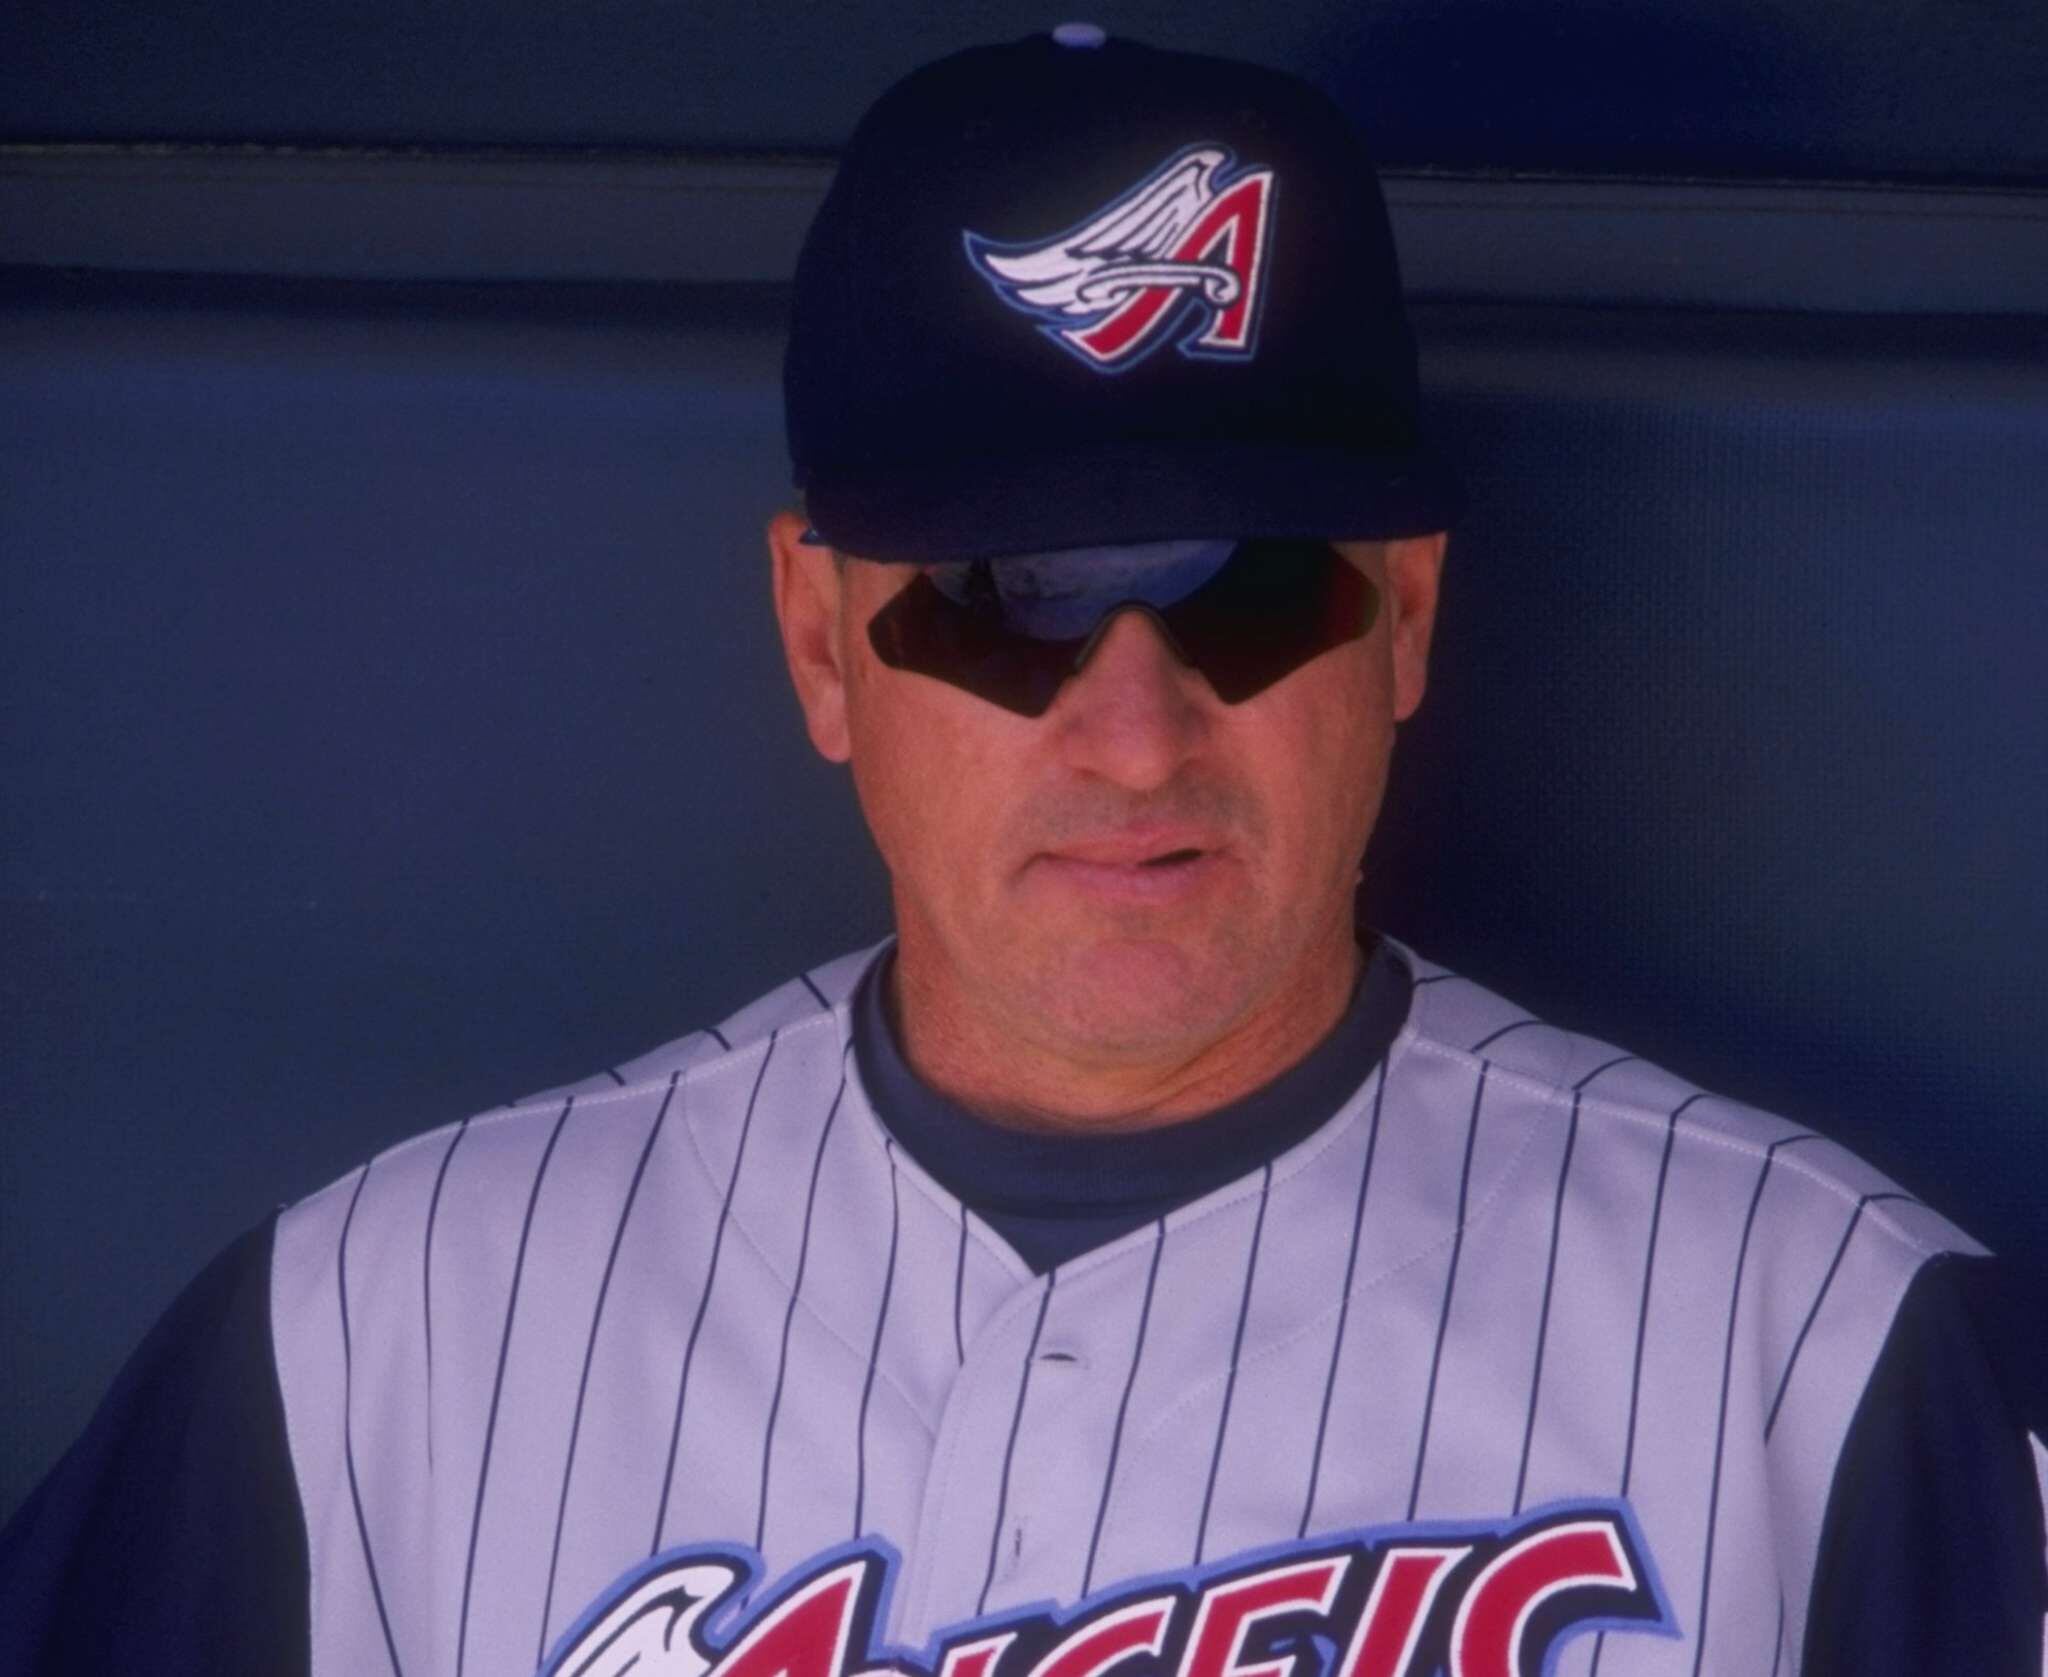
1136,872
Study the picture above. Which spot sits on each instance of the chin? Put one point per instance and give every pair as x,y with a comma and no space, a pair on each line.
1138,996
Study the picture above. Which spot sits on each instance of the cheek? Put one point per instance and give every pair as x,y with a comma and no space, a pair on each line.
893,759
1320,757
929,786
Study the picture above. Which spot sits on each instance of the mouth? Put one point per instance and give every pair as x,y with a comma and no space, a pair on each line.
1136,873
1151,845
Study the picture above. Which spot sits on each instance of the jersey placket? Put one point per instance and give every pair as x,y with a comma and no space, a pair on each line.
1002,1517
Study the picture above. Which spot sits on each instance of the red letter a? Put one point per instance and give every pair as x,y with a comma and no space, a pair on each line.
805,1635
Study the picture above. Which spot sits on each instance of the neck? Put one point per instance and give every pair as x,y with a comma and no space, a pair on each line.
985,1061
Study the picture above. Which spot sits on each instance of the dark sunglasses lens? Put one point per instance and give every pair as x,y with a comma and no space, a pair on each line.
1269,610
925,633
1274,607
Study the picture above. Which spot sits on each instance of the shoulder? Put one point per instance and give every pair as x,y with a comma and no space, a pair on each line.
170,1534
1782,1180
462,1190
816,991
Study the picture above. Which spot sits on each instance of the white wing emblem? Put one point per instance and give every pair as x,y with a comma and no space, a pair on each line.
1124,249
1106,289
651,1631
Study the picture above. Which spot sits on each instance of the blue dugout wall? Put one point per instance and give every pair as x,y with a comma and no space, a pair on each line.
393,721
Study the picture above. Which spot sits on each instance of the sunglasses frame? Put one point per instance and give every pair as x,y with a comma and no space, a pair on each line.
1274,604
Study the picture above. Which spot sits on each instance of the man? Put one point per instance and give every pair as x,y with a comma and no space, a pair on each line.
1134,1264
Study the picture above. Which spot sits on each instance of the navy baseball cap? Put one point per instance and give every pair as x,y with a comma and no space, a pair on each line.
1076,291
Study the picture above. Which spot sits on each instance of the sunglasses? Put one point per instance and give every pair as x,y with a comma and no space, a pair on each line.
1012,630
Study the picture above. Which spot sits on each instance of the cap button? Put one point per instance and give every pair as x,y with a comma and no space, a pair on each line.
1080,35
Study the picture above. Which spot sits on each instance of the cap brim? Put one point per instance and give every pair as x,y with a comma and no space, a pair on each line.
983,508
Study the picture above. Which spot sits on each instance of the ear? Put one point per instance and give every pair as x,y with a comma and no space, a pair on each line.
809,599
1414,572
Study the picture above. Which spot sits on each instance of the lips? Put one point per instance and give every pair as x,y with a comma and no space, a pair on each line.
1137,848
1152,867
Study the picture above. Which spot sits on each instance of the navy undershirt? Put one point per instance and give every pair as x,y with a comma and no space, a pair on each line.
1053,1197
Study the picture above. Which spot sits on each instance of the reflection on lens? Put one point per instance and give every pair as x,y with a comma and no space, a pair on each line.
1064,595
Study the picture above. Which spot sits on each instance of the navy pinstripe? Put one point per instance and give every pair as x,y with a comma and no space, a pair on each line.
1244,1310
1564,1170
960,1287
732,1181
995,1536
796,1288
1819,1298
483,1475
1635,1384
1443,1320
1315,1465
427,1274
1123,1408
1487,1041
1602,1070
547,1605
867,1390
1727,1366
1549,1276
348,1441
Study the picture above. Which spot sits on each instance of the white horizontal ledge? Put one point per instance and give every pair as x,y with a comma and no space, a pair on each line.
362,214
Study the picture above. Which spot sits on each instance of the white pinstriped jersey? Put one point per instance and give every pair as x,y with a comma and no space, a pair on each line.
1520,1281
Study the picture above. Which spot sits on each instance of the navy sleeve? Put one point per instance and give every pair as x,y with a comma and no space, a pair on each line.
169,1538
1931,1550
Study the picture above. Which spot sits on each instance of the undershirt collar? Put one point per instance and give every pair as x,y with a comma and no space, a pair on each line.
1053,1197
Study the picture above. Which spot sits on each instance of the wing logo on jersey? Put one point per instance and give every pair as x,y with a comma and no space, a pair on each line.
1407,1602
653,1622
1180,256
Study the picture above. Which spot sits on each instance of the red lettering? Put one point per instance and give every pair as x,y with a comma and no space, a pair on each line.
1493,1619
804,1636
1229,1612
1390,1624
978,1658
1137,1629
1467,1602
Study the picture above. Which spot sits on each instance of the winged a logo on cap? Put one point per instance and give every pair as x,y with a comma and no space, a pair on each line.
1181,257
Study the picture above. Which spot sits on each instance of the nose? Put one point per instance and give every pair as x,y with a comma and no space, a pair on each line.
1133,713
